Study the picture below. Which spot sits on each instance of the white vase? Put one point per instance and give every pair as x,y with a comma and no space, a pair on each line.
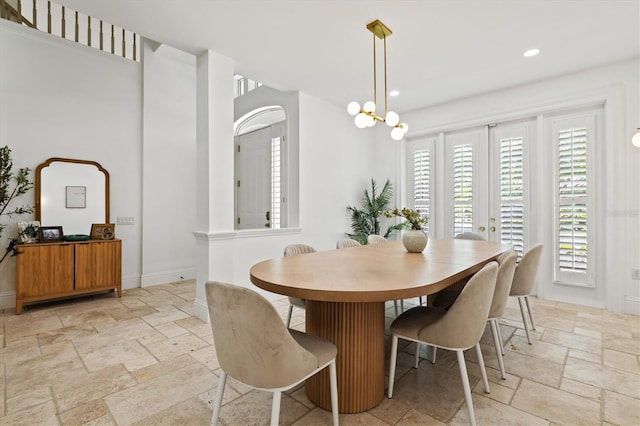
414,240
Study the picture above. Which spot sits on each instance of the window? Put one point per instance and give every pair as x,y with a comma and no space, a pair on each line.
420,192
462,188
574,201
511,193
276,188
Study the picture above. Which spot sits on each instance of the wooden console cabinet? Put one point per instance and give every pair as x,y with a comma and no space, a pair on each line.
52,270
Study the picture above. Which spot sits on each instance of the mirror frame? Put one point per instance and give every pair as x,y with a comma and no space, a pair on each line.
71,160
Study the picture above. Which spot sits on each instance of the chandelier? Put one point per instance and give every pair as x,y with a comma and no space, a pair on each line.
367,116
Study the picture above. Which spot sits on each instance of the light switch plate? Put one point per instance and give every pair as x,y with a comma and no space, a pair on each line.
125,221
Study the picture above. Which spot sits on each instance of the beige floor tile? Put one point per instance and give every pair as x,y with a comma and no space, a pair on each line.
603,377
414,417
620,409
621,361
148,398
176,346
526,366
192,412
490,412
161,368
43,414
80,387
37,396
20,329
206,356
89,412
390,411
630,345
585,356
165,316
129,353
498,392
581,389
583,343
556,405
171,329
543,350
255,408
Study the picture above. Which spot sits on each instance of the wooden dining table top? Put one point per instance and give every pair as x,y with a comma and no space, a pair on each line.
375,273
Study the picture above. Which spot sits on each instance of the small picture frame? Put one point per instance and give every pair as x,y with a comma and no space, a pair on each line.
103,231
76,197
28,231
50,234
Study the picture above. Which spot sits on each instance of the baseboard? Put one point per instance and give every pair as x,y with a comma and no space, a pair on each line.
632,305
8,300
201,310
167,277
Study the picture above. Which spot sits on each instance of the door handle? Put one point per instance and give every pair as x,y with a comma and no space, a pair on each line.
492,229
481,228
268,215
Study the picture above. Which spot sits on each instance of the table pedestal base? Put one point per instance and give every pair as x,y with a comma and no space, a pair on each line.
357,329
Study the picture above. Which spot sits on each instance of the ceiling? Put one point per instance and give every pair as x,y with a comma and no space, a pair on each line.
440,50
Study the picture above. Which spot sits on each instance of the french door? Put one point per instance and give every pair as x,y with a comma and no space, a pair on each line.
482,178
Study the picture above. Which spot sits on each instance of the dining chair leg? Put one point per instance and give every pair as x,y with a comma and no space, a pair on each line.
433,355
218,402
466,387
526,299
333,383
483,369
417,356
402,306
275,408
500,337
420,300
289,315
524,319
497,342
392,365
395,306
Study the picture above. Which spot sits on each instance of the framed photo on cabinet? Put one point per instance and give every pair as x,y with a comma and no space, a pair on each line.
28,231
50,234
103,231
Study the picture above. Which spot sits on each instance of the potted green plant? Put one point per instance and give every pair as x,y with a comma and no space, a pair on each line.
365,220
414,239
12,186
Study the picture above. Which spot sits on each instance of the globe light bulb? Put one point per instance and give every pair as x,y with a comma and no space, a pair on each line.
392,119
371,121
353,108
405,127
397,133
369,106
636,139
361,120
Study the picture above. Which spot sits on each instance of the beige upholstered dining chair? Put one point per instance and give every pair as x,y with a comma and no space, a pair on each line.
457,329
375,239
507,266
254,347
524,280
346,243
295,250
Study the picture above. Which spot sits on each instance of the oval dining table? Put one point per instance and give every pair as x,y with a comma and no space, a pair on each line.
345,292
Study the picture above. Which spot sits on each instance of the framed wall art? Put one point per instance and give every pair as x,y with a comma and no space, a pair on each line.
76,197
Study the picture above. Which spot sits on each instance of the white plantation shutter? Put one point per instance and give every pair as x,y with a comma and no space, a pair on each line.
276,192
462,188
420,169
512,193
574,233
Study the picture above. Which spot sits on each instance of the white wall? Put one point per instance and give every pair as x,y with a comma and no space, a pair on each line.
617,204
168,165
59,99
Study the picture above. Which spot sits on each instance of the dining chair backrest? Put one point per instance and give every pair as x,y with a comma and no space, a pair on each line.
524,277
507,262
468,236
375,239
252,343
296,249
463,324
347,242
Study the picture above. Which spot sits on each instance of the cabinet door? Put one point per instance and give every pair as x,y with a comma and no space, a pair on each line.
45,270
98,265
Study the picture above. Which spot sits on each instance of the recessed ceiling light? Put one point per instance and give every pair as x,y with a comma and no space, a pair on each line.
531,52
394,93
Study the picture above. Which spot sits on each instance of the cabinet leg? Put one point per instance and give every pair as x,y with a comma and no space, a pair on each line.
18,307
119,290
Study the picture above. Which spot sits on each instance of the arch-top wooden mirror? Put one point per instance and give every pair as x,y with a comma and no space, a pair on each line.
72,194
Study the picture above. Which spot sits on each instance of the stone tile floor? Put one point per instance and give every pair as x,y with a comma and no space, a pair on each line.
144,359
